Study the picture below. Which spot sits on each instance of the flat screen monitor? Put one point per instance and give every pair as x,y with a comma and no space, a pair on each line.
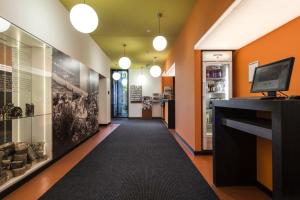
273,77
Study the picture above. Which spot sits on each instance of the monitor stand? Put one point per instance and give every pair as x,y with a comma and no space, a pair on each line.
271,95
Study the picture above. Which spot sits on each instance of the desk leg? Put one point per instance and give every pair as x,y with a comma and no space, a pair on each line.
234,152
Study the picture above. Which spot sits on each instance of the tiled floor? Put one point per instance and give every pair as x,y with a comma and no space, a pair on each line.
46,179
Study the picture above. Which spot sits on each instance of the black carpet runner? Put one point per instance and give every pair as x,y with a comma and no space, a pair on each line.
140,160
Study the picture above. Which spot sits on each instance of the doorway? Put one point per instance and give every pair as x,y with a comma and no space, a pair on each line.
119,93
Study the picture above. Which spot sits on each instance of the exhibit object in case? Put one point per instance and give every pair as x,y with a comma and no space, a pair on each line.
216,84
25,105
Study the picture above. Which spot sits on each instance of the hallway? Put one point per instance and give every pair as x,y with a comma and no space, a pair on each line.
139,160
47,179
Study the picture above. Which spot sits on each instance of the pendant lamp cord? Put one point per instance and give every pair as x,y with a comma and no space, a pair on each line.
159,25
154,60
124,45
159,15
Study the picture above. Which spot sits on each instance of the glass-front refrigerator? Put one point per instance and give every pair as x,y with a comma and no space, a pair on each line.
216,84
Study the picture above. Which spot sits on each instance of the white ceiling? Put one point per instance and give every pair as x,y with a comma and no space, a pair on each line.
247,20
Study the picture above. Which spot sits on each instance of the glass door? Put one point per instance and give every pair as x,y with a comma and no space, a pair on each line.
119,97
216,85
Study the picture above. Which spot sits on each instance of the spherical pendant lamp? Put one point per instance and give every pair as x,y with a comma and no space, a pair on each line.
159,42
124,62
84,18
124,82
4,25
155,71
116,76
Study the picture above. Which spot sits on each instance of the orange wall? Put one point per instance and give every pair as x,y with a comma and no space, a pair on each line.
281,43
166,81
188,84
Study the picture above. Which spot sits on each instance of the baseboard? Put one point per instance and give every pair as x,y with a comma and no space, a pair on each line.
142,118
196,153
203,152
101,125
264,189
164,122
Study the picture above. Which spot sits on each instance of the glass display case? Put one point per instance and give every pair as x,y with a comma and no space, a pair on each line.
25,105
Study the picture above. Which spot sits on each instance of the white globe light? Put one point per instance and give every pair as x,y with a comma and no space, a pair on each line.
124,82
116,76
84,18
124,62
160,43
155,71
4,25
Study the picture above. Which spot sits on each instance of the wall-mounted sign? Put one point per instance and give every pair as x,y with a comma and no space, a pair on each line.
156,98
136,93
251,69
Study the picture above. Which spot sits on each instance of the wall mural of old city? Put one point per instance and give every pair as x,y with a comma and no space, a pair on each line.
75,91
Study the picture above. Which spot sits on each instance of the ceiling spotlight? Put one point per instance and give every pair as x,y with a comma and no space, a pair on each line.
4,25
116,76
159,42
84,18
155,70
124,62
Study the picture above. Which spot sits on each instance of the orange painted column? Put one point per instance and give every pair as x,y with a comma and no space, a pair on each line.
188,68
198,100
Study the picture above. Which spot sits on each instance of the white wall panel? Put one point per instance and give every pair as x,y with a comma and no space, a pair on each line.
151,85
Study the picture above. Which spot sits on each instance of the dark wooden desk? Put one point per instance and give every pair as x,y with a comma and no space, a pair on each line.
237,123
169,111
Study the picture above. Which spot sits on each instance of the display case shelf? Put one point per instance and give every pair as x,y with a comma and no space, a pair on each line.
215,79
216,92
27,173
22,117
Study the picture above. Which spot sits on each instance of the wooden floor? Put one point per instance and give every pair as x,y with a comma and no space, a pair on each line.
37,186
